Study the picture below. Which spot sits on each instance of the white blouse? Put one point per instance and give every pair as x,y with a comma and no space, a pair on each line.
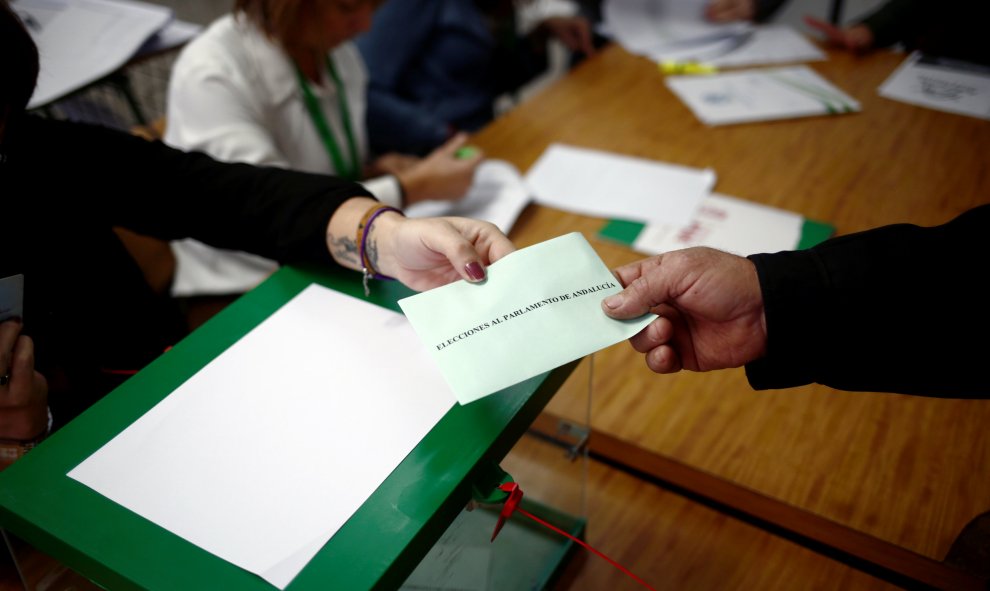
234,94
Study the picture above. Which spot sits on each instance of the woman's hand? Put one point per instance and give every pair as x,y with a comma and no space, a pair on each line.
442,175
392,163
430,252
23,391
421,253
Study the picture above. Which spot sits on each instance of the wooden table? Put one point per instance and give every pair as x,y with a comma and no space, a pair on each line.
886,480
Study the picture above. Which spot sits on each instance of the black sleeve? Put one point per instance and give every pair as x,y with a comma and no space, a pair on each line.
111,177
897,21
765,9
896,309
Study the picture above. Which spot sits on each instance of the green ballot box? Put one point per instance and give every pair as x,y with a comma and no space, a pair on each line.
418,511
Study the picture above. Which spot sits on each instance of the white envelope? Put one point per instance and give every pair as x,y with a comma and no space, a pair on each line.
539,308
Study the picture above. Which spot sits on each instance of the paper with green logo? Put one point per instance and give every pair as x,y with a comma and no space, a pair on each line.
539,308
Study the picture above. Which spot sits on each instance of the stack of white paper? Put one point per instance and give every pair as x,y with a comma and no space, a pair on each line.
677,30
658,27
769,44
81,41
760,95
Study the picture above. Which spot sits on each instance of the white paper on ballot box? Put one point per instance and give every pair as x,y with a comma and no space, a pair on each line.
261,456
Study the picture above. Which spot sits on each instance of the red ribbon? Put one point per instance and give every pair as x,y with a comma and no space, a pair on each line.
512,504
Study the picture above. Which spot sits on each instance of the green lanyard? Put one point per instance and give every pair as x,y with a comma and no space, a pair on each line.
350,172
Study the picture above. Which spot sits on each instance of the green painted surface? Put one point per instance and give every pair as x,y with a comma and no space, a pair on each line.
813,233
621,231
377,548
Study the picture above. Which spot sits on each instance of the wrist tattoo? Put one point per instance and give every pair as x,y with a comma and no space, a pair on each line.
371,249
344,249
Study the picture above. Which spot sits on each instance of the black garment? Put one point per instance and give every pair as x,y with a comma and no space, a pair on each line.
896,309
765,9
947,28
63,186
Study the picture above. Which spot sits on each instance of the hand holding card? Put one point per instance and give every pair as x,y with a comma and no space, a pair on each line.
539,308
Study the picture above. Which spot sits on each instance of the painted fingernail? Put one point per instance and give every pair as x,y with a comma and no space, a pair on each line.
613,301
475,271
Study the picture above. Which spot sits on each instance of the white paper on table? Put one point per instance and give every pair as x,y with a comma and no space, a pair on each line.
497,195
80,41
766,44
729,224
956,87
604,184
760,95
677,30
648,26
539,308
769,44
262,455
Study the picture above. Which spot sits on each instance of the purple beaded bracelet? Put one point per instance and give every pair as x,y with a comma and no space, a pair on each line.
364,228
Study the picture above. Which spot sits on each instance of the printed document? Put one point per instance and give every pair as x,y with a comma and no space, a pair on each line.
758,95
262,455
942,84
539,308
729,224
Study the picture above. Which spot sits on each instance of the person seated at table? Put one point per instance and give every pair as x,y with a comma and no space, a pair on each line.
437,66
953,29
278,83
89,317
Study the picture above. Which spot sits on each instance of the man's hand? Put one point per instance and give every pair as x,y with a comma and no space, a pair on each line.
710,307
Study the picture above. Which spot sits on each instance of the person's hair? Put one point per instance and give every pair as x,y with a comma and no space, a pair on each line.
276,18
18,64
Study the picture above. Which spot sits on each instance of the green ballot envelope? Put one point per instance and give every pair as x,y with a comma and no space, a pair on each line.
539,308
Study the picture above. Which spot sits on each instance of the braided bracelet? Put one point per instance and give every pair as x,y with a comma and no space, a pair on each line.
363,229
